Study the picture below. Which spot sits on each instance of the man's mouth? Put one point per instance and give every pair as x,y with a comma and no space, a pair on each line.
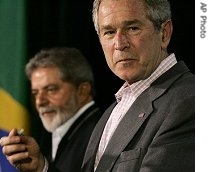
125,60
47,111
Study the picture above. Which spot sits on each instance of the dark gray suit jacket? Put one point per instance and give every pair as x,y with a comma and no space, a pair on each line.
157,132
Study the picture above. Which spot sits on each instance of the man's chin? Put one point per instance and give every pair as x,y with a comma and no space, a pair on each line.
49,126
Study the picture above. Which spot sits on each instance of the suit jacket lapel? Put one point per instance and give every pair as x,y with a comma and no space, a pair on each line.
90,154
80,121
74,128
126,130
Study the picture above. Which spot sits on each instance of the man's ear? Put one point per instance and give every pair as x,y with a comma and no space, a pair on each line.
166,32
84,92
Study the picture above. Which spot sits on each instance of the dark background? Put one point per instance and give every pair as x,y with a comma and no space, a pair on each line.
69,23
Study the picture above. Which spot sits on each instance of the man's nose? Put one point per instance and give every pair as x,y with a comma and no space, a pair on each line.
41,99
121,41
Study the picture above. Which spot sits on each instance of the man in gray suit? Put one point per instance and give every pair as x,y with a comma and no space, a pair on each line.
150,127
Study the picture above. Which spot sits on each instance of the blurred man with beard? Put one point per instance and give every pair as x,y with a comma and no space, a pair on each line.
62,86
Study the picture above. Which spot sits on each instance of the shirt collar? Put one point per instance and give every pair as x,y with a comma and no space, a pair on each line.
138,87
62,130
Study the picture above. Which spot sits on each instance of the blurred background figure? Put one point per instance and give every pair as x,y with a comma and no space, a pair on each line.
63,91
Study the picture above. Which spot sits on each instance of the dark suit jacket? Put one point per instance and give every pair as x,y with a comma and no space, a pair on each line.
72,147
157,132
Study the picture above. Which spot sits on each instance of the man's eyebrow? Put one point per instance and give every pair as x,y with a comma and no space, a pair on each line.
124,23
46,87
50,86
130,22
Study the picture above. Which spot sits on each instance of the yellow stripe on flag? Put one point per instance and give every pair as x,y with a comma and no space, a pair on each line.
12,113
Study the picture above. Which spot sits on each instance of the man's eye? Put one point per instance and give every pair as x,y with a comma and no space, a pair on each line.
51,90
33,94
110,32
133,28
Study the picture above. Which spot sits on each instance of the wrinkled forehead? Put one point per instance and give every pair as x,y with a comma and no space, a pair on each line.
119,10
109,7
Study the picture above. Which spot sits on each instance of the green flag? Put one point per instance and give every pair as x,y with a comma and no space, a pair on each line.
13,83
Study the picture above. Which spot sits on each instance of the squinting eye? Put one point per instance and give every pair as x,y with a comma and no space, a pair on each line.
133,28
108,32
33,94
51,90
